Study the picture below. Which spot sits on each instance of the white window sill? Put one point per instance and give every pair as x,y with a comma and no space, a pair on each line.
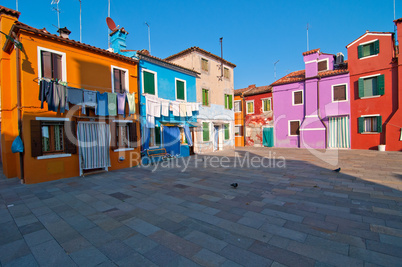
369,56
123,149
54,156
338,101
366,97
371,133
297,104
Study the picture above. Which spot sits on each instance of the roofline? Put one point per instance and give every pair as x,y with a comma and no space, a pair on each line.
251,92
10,12
369,33
172,65
242,93
202,51
17,27
308,78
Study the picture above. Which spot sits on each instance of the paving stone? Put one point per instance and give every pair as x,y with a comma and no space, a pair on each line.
135,259
207,258
51,254
89,256
37,237
327,244
392,240
244,257
97,236
160,255
26,261
283,215
252,222
9,233
141,226
206,241
141,243
284,232
374,257
13,250
116,250
75,244
175,243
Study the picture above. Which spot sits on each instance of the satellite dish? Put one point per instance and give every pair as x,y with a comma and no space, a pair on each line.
110,23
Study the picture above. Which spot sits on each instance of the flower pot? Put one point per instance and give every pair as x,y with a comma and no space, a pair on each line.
381,147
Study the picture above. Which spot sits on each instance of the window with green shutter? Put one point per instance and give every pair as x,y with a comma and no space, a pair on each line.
205,97
371,86
180,90
205,131
227,133
228,101
149,82
369,49
370,124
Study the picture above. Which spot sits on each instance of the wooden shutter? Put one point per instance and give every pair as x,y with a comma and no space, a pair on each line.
205,131
376,47
294,128
361,87
226,101
322,65
379,124
298,98
227,135
36,138
380,84
204,102
113,134
56,65
360,51
230,102
339,92
133,134
69,146
116,80
180,90
149,83
361,124
46,64
122,81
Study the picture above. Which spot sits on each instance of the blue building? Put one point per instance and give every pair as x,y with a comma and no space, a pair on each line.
168,108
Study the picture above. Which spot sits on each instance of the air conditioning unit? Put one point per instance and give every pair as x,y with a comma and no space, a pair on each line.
339,58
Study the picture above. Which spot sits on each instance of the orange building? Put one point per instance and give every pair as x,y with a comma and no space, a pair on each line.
64,143
239,110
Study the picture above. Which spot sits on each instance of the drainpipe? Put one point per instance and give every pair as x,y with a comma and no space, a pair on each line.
244,118
18,74
318,111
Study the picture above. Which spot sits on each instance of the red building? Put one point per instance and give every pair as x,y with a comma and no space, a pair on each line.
373,69
259,116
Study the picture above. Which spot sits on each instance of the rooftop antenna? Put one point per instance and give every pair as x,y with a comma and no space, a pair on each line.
80,23
111,25
56,2
108,33
221,77
275,69
395,29
149,36
307,37
16,5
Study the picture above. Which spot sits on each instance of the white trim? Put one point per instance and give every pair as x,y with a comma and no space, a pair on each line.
155,80
325,59
51,119
346,93
311,116
235,105
249,101
185,89
366,34
123,149
289,121
373,96
293,98
125,78
54,156
123,121
370,76
373,115
311,129
270,104
311,61
63,62
368,56
368,42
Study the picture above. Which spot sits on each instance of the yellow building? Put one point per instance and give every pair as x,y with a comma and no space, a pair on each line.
62,143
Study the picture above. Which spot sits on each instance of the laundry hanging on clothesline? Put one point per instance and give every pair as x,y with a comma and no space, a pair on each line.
156,107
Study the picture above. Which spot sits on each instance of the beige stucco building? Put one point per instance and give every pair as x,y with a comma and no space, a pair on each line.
215,89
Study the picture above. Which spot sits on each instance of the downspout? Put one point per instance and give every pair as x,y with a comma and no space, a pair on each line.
318,111
244,118
20,133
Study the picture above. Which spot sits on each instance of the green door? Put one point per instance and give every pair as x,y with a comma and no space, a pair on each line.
268,136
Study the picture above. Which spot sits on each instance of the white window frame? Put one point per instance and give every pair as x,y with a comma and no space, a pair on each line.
241,134
366,77
325,59
63,62
227,103
270,103
127,148
366,43
289,127
155,80
185,89
125,78
249,101
367,116
346,93
234,105
293,98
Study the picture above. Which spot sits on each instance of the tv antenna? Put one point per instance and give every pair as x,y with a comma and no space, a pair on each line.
221,77
80,23
56,2
149,36
112,27
307,36
275,69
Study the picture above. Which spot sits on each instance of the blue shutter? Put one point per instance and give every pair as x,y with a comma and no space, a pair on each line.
376,47
360,51
380,85
361,87
361,124
379,124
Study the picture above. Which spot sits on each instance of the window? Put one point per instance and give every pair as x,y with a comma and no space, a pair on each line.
155,137
205,131
227,132
119,80
294,128
368,49
180,89
205,97
149,82
183,139
370,124
204,64
238,130
226,73
51,64
266,105
124,134
339,92
228,101
237,106
49,137
250,107
371,86
323,65
297,98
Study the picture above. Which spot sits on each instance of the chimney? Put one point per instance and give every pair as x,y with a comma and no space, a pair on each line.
64,32
251,86
118,40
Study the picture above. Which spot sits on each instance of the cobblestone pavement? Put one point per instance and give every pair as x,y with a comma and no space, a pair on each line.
296,212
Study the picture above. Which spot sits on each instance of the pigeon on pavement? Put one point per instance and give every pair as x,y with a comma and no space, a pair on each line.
234,185
337,170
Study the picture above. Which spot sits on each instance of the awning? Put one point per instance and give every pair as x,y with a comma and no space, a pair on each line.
194,124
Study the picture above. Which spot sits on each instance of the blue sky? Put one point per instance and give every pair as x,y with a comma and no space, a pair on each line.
255,33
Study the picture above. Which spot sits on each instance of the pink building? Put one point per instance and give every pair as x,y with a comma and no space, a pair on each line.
313,105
